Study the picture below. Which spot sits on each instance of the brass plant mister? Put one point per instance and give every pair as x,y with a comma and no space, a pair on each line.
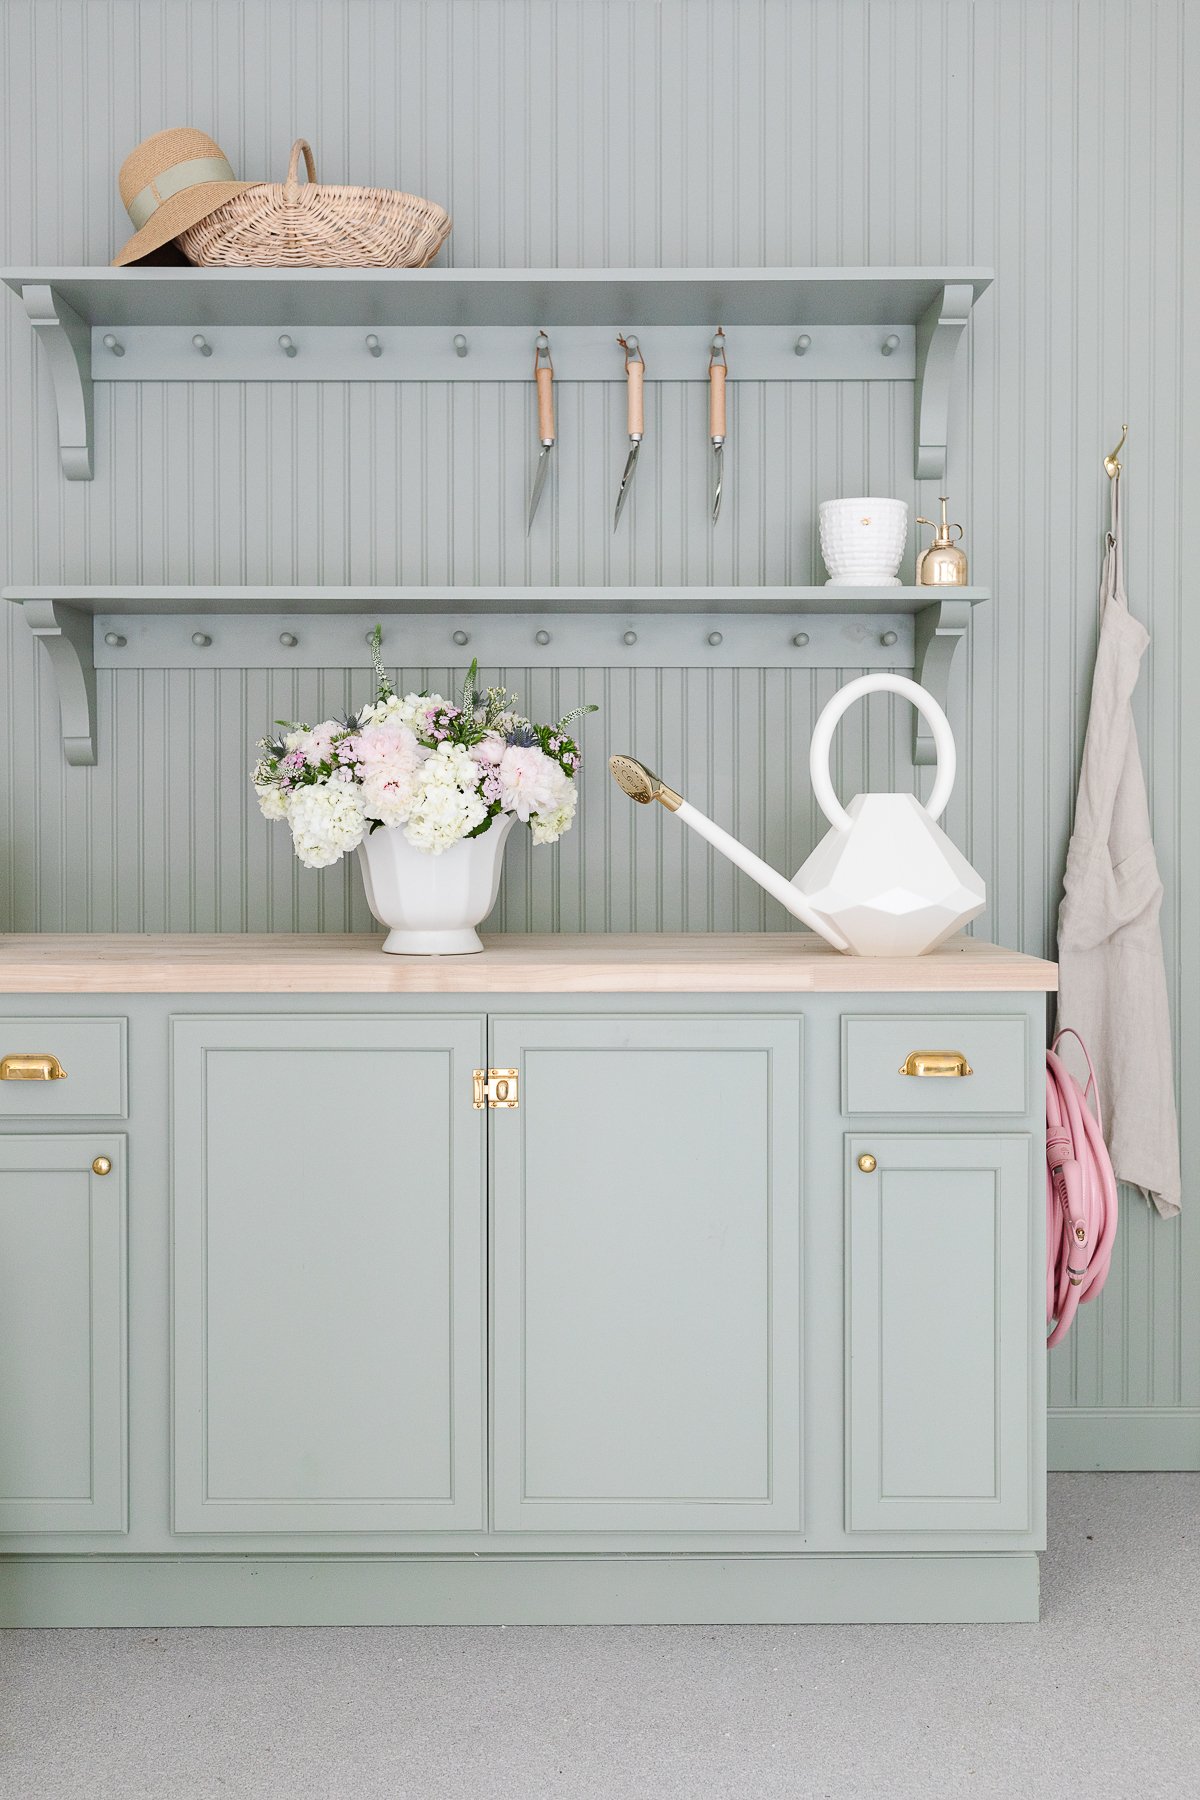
942,563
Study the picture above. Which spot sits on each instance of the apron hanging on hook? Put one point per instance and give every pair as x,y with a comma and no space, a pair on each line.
1112,978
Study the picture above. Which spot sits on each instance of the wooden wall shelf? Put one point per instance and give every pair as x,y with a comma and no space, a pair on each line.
183,324
86,627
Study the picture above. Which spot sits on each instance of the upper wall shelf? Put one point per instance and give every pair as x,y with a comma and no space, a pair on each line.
184,324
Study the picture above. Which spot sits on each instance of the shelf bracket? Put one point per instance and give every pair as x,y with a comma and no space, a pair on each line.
938,332
67,342
65,632
938,630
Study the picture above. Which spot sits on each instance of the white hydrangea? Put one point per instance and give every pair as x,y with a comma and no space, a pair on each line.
407,709
547,828
326,821
446,804
272,802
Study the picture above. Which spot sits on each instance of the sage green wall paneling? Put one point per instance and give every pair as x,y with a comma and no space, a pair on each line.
938,1346
328,1298
62,1333
646,1227
1044,138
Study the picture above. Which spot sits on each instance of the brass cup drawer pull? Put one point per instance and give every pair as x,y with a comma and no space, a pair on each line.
32,1067
936,1062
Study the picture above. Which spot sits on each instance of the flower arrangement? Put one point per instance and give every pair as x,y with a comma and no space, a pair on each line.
442,769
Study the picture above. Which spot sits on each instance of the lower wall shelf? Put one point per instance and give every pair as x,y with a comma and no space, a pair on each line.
86,628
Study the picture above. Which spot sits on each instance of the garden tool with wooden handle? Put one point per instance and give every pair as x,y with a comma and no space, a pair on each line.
717,371
543,375
635,375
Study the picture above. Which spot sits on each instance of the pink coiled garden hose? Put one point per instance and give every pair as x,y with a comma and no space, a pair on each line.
1081,1192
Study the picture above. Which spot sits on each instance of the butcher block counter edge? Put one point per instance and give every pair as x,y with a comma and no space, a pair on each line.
602,963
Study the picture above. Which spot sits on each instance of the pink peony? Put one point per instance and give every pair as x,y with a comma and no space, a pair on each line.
489,750
388,743
530,782
318,743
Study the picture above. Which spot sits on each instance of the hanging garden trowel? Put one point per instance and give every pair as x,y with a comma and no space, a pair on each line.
635,375
717,371
543,374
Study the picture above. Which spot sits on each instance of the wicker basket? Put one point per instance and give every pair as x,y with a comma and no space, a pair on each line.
283,225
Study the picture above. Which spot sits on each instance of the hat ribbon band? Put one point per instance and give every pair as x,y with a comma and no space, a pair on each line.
174,180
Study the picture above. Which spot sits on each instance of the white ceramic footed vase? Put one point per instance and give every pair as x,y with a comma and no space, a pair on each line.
432,904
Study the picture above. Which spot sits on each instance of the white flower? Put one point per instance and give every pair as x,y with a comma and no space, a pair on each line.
411,710
446,803
547,828
326,821
272,802
295,740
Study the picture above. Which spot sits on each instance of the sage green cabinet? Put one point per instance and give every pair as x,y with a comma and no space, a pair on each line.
62,1332
647,1346
646,1300
328,1312
940,1333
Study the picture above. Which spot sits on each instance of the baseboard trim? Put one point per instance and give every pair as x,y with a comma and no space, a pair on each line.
1124,1438
588,1590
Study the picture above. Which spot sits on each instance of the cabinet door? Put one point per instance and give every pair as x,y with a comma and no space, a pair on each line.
647,1249
62,1333
328,1294
940,1333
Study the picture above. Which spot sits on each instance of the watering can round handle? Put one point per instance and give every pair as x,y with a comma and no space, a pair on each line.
822,737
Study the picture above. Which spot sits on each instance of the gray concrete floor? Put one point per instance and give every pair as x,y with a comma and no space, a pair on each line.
1102,1698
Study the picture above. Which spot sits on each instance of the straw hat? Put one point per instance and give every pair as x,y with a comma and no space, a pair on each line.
171,181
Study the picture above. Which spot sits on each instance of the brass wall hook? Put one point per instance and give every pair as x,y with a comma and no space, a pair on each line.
1112,467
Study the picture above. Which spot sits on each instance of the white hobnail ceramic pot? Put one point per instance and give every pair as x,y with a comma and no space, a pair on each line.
432,904
862,541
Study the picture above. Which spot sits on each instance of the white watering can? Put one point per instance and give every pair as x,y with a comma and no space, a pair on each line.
885,880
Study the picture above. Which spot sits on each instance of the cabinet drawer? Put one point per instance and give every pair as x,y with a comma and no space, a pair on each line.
91,1053
877,1050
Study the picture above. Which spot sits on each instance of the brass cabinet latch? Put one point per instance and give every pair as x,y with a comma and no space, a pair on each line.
32,1067
936,1062
496,1089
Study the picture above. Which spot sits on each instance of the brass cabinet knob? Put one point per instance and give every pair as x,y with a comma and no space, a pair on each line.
101,1166
866,1163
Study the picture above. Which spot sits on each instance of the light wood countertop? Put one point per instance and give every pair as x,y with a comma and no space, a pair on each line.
650,963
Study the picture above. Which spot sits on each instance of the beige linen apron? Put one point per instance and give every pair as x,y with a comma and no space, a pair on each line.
1112,981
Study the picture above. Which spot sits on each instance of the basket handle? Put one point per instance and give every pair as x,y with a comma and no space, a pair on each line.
294,163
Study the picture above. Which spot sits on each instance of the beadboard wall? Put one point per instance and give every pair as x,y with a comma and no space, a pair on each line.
1047,139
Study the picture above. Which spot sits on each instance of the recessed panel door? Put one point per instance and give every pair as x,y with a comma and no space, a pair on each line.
940,1333
62,1332
646,1217
328,1288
